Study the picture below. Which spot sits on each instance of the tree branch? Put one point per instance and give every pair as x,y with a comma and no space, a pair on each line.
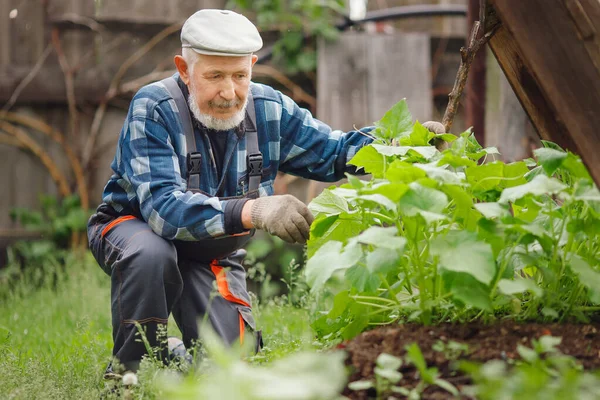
38,151
69,83
58,137
113,89
467,56
36,68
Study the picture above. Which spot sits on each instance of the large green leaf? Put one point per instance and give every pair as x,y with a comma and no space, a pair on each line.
426,152
403,172
514,174
441,174
468,290
493,210
328,203
419,198
393,191
539,185
486,176
370,160
420,136
382,237
361,278
588,277
550,159
461,251
510,287
328,259
396,122
382,260
337,227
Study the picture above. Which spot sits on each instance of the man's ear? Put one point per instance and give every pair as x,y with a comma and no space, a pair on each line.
254,59
182,68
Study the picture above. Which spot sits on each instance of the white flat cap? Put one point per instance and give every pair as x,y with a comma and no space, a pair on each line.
220,33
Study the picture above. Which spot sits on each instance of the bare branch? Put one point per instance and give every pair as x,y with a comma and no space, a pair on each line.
113,89
69,83
298,93
38,151
36,68
467,56
58,137
82,20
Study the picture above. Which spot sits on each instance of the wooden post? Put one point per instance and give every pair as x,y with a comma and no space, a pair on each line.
475,89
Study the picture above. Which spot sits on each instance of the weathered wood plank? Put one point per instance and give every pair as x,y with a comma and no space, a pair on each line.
556,73
342,77
399,67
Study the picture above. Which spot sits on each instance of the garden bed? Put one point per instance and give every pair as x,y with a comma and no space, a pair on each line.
485,342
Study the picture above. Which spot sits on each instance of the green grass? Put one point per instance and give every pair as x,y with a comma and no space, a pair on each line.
56,342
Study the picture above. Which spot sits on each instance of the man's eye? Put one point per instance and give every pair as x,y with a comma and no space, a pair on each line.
241,76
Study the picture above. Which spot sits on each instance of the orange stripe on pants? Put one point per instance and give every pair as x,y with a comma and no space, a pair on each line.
223,285
116,222
242,328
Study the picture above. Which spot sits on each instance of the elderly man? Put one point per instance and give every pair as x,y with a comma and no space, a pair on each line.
188,191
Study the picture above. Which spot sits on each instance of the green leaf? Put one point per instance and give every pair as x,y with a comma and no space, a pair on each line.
550,159
328,203
446,137
493,210
362,279
421,198
426,152
393,191
328,259
539,185
576,167
522,285
447,386
360,385
382,237
396,122
486,176
379,200
337,227
420,136
527,354
468,290
382,260
388,361
455,161
461,251
388,374
588,277
370,160
514,174
441,174
403,172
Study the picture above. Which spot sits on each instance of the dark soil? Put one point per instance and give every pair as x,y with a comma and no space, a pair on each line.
485,342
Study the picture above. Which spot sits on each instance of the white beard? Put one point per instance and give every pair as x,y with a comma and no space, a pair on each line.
214,123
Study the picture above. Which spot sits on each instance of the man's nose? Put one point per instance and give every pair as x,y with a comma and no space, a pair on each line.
228,90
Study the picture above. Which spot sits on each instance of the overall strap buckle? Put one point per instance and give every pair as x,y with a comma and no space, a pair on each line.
254,164
194,162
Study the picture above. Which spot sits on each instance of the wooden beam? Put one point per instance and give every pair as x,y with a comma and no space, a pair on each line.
549,66
48,85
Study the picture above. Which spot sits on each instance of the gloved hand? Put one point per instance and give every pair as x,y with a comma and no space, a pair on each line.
284,216
435,127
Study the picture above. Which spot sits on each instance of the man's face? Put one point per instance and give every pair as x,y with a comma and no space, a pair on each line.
219,87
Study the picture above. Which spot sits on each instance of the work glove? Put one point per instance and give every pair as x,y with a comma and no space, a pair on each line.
435,127
283,216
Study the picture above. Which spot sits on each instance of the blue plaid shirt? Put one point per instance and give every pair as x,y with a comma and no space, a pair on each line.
150,162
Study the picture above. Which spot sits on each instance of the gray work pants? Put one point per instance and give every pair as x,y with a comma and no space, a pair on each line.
149,281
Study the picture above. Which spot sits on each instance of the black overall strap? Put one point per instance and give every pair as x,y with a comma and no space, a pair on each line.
254,158
193,156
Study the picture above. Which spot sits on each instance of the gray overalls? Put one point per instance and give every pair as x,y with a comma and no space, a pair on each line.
152,277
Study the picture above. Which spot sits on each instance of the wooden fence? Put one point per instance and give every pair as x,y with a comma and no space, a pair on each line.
88,56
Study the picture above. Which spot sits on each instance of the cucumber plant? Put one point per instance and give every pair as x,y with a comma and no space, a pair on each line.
453,234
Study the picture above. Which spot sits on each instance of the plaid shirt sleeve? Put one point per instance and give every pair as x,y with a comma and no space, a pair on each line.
311,149
148,164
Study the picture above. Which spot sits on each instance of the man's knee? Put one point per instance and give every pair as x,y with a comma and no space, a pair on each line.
152,257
